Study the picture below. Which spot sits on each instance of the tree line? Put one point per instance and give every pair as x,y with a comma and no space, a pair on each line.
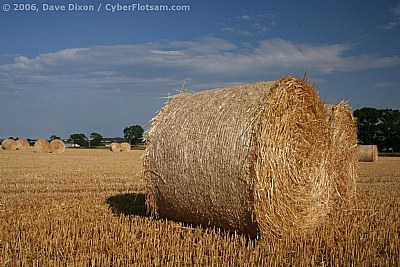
132,134
379,127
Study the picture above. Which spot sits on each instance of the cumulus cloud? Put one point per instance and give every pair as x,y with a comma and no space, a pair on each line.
166,64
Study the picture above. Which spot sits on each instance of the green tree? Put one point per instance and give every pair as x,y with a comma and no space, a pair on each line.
79,139
369,125
378,126
391,129
53,137
133,134
97,139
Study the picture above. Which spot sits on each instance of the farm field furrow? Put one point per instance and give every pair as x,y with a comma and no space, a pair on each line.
86,208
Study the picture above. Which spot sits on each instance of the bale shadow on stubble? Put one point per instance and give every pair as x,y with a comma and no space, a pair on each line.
128,204
135,205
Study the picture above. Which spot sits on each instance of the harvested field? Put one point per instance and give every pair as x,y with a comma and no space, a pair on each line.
86,208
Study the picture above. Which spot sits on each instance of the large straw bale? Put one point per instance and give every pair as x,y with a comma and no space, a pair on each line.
251,158
22,144
42,145
57,146
125,147
344,158
9,144
367,153
115,147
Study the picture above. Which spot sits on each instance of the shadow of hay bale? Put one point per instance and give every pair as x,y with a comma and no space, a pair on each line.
135,204
128,204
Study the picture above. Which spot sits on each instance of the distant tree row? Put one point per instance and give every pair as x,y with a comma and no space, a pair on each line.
132,134
380,127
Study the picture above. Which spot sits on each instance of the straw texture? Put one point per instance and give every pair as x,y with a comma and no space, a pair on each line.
57,146
22,144
42,145
344,157
125,147
9,144
251,158
367,153
115,147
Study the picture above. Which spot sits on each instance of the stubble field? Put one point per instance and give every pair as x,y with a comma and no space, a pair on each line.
86,208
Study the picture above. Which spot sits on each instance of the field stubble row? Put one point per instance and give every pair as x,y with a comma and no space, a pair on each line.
78,208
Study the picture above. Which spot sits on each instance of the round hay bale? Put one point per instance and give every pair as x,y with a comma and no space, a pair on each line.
344,158
42,145
9,144
367,153
57,146
115,147
125,147
251,159
22,144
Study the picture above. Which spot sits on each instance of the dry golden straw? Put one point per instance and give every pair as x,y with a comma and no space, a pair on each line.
42,146
251,158
22,144
367,153
344,158
125,147
115,147
9,144
57,146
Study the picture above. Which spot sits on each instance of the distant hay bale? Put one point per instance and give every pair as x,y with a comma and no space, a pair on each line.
42,145
115,147
57,146
22,144
251,158
9,144
125,147
367,153
344,158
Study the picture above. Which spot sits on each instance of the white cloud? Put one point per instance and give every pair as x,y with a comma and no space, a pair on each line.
166,52
245,17
162,65
395,12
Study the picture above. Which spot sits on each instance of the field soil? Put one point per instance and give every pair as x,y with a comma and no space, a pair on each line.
87,208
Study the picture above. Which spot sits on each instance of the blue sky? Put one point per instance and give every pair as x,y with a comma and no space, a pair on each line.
65,72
